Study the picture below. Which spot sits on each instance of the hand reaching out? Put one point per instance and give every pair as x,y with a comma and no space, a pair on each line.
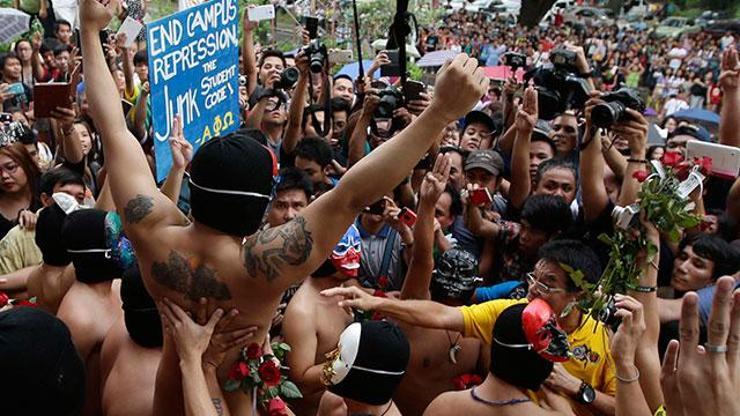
459,86
728,79
435,181
191,339
627,337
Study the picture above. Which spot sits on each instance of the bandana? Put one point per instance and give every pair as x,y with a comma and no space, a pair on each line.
369,362
455,277
98,249
231,181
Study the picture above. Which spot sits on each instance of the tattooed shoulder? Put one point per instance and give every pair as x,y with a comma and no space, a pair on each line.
194,281
267,252
138,208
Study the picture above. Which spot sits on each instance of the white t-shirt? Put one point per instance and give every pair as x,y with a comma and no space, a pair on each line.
675,104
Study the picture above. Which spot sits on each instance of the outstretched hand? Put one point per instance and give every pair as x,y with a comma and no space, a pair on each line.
354,297
526,117
728,78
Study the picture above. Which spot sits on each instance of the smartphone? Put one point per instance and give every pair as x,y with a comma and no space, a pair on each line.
393,69
260,13
378,208
312,26
340,56
413,89
725,159
407,217
481,196
16,89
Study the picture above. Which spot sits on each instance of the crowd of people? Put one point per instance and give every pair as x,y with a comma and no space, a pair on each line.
673,74
358,249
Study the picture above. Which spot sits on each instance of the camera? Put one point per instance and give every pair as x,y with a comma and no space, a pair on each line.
625,217
558,90
288,78
564,59
614,109
391,98
317,55
515,60
608,315
242,80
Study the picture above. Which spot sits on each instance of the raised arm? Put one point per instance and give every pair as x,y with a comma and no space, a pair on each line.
295,249
729,120
132,184
416,284
71,144
646,356
359,134
526,118
297,104
182,154
128,64
635,131
249,60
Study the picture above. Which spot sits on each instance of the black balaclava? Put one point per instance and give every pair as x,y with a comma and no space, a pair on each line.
139,310
455,277
84,233
42,374
518,366
49,236
231,180
369,362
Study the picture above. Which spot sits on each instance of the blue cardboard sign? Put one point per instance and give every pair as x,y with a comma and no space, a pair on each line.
194,73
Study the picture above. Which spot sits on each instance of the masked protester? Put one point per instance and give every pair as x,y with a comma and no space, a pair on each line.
313,323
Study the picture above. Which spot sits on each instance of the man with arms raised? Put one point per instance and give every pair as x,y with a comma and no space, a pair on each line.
231,179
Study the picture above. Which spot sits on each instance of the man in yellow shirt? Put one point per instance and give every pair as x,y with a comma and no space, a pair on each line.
587,379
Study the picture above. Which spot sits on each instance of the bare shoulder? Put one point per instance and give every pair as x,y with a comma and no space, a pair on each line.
189,276
272,253
143,214
447,403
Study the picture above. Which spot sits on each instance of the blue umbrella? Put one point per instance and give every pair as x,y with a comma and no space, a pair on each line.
353,69
706,118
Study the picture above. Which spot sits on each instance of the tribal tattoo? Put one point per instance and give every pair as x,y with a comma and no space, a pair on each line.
267,252
194,282
138,208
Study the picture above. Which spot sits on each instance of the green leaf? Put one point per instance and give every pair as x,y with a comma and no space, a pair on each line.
285,347
231,385
290,390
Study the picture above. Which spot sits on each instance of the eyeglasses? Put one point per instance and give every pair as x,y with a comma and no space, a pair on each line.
541,287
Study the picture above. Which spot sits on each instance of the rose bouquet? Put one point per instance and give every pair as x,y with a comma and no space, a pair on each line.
260,374
664,201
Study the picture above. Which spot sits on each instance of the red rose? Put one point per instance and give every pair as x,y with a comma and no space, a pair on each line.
383,282
254,351
377,316
379,294
238,371
459,383
671,158
269,373
277,407
640,175
682,170
3,299
705,164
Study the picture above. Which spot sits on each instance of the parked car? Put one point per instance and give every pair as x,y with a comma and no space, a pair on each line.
588,16
674,27
709,17
723,26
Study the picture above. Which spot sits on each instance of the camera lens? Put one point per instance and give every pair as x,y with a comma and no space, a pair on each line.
606,114
288,78
386,106
317,62
549,103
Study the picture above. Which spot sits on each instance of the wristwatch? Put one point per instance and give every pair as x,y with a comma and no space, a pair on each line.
586,394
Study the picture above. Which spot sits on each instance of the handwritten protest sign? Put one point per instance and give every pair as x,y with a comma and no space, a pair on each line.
193,72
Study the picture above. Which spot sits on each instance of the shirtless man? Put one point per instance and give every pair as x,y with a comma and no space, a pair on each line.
231,180
131,351
93,303
437,356
516,369
313,322
364,370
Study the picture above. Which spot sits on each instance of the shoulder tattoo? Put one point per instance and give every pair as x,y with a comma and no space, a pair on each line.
194,282
138,208
267,252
